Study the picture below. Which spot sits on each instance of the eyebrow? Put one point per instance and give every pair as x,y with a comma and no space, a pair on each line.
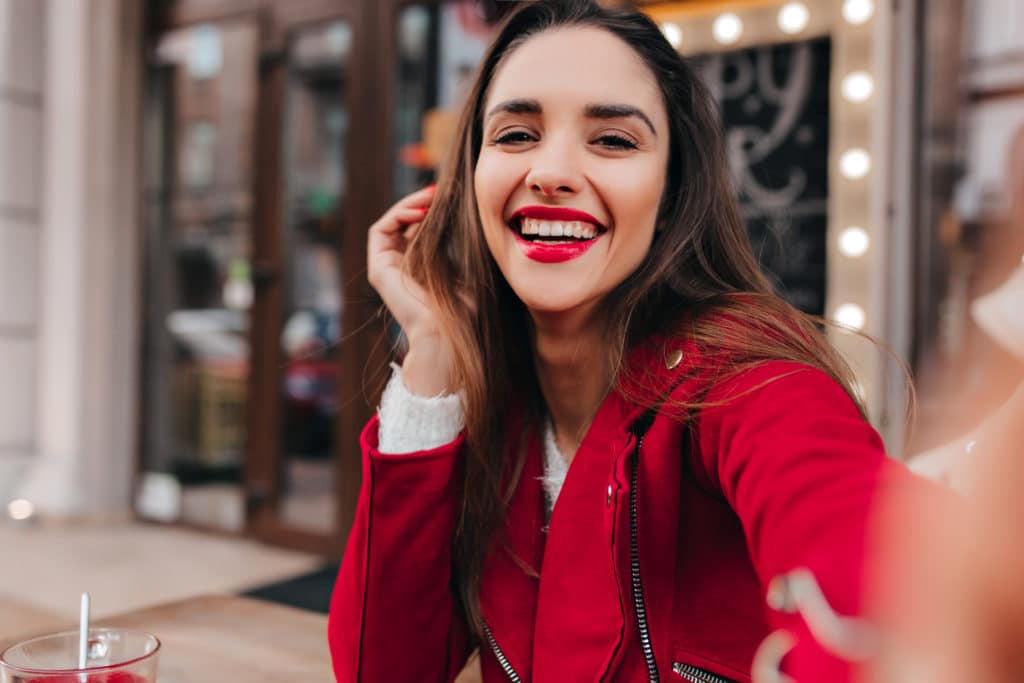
591,111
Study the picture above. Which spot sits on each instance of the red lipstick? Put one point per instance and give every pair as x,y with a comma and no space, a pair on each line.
547,252
555,213
553,253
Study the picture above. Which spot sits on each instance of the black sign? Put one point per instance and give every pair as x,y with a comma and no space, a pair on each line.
775,106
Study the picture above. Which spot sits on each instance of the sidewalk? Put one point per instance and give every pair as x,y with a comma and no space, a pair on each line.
126,566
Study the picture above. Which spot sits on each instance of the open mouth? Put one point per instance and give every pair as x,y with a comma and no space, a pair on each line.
550,232
554,241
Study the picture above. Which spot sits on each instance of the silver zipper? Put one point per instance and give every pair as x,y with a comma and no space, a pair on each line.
695,675
634,560
503,662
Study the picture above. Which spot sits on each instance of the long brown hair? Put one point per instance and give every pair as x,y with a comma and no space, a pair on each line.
699,280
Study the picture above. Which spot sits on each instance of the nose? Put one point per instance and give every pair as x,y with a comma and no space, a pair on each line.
554,171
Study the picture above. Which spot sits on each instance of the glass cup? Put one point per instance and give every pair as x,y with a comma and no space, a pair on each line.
113,656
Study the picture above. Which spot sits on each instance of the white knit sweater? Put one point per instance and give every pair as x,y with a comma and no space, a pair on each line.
410,423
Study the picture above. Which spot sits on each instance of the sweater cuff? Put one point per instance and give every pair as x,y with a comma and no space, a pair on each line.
410,423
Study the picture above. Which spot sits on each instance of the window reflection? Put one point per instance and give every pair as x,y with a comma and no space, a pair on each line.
199,290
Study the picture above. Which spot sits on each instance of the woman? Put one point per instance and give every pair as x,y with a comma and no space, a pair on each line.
713,439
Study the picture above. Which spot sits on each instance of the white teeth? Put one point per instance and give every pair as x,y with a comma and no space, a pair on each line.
578,229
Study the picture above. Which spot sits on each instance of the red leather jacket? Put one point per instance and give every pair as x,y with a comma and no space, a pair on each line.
658,552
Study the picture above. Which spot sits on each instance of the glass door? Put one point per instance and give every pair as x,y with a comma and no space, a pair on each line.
309,329
202,84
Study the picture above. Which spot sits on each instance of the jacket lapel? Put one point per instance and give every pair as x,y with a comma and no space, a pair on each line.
581,611
508,589
584,610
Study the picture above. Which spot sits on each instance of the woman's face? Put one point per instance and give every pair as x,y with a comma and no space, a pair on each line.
572,167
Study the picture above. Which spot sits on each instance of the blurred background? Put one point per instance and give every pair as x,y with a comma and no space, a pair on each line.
188,344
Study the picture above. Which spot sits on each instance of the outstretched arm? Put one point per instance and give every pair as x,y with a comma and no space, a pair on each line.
803,471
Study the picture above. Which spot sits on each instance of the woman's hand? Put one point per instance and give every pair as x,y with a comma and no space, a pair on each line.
426,370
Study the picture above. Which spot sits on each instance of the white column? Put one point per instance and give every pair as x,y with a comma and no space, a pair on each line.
53,481
21,82
88,343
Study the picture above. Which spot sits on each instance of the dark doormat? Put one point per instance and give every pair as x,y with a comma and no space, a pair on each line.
308,591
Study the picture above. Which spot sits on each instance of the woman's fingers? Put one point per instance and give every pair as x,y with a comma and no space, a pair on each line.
413,215
394,233
387,242
406,210
396,219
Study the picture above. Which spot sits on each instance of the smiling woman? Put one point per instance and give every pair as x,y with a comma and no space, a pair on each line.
587,326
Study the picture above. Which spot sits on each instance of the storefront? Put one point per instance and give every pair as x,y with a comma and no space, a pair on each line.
186,330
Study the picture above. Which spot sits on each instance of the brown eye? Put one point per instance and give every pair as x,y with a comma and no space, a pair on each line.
513,137
616,142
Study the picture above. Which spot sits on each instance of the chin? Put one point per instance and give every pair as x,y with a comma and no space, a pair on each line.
537,299
545,300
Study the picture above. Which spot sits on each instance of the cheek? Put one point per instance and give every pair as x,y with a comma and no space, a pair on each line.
491,185
643,189
489,189
633,195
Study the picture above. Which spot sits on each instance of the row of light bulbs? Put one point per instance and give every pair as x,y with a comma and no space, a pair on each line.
856,87
793,17
855,164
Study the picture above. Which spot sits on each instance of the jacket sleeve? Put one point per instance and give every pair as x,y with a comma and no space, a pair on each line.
393,614
803,472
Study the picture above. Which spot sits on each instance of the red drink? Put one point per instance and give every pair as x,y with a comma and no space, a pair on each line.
114,656
99,677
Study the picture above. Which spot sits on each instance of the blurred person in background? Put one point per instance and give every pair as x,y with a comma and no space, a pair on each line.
999,314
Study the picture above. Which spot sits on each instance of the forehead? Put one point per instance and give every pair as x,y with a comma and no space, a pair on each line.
577,64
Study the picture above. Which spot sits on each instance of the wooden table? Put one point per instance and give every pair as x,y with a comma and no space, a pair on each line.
18,619
215,639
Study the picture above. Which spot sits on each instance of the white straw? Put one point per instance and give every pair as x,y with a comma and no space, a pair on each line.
83,632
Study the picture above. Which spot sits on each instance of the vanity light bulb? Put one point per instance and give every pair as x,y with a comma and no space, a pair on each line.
20,509
855,163
858,86
673,33
858,11
727,28
853,242
851,316
794,17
